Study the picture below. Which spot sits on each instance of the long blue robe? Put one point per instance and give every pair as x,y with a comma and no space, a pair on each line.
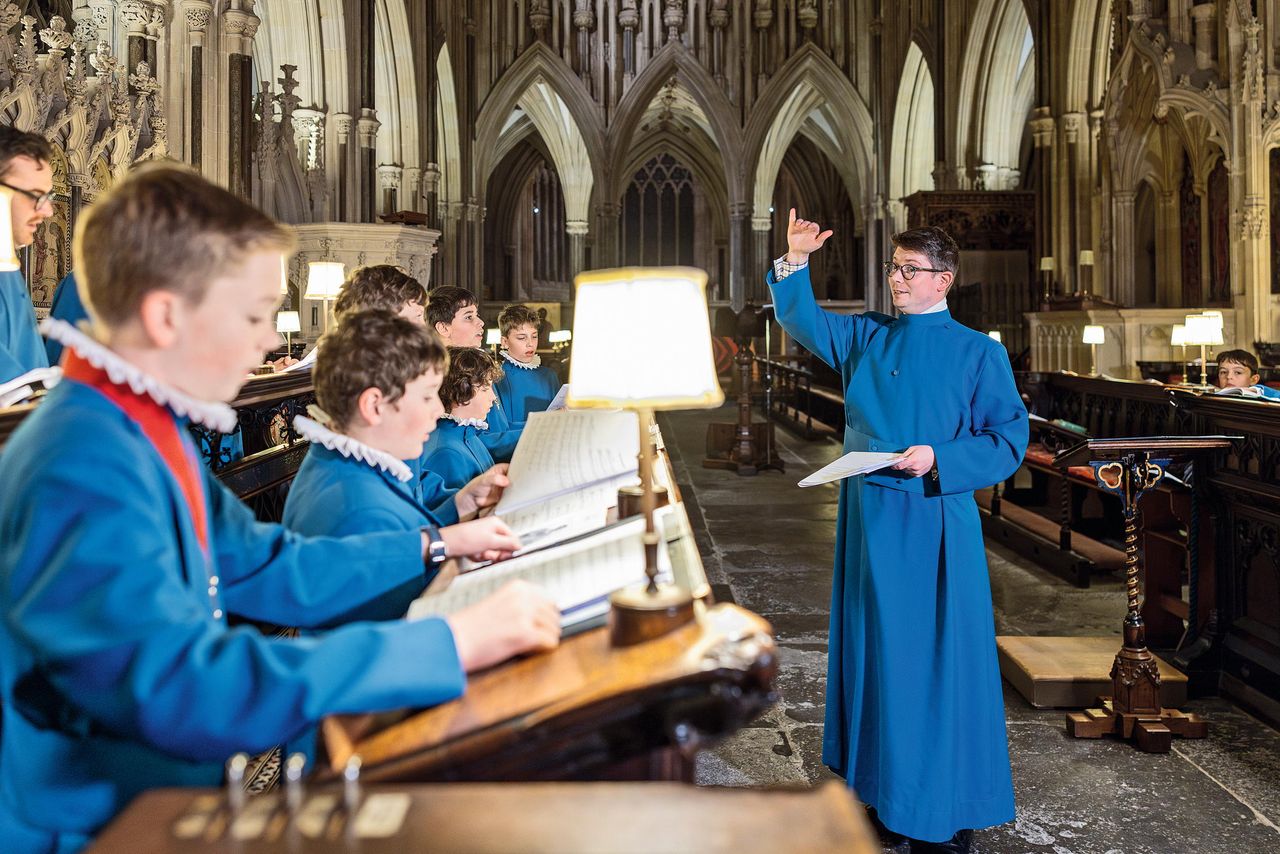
503,433
456,453
67,306
115,674
915,716
21,348
337,496
526,389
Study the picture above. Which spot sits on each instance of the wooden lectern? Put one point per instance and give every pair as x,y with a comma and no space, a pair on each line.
1129,467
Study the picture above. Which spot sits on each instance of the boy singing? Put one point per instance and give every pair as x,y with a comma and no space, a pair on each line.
526,385
456,450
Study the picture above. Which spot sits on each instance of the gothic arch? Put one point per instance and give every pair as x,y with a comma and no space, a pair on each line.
1089,57
448,135
396,90
911,150
291,34
996,90
672,59
550,117
704,168
538,64
772,125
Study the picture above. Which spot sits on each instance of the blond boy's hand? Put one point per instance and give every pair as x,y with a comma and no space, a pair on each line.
803,238
480,539
518,618
482,492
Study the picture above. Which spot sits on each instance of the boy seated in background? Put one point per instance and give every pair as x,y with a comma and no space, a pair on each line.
1239,369
382,286
377,382
526,385
121,556
455,450
455,316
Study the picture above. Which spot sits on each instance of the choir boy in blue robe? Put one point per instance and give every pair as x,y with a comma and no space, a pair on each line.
455,450
915,716
526,385
25,172
67,307
377,383
390,288
121,556
454,315
1239,369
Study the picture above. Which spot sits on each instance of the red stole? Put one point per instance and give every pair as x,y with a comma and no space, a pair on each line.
159,426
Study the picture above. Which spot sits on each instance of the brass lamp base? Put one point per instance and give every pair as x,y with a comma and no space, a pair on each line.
631,500
637,614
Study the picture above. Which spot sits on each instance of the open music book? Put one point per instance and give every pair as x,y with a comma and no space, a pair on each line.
578,576
22,387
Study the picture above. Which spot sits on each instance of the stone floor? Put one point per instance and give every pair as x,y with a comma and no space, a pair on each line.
1221,794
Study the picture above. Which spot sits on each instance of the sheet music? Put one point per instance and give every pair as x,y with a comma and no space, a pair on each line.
561,452
302,364
561,518
558,402
851,464
24,386
578,576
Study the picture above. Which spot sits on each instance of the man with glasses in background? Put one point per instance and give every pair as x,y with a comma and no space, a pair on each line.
28,179
915,713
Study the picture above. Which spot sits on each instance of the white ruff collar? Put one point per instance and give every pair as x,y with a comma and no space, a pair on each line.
478,423
351,448
215,416
532,364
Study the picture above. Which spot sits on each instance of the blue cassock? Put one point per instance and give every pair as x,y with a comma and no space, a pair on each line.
337,496
21,348
525,389
116,674
502,435
1267,391
915,716
67,306
456,453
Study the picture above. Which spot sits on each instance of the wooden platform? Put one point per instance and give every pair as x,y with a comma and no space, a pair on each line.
1071,673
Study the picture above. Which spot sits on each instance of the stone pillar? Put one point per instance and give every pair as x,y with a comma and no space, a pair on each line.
1249,174
342,173
389,181
764,251
239,25
367,134
411,190
608,253
577,229
135,15
1168,272
197,14
877,242
739,253
1205,16
1042,130
1122,263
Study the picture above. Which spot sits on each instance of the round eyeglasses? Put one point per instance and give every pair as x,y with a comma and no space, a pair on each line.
37,198
908,270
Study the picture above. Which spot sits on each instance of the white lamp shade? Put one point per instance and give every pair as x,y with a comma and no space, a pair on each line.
1202,330
1046,264
493,336
1085,258
1094,335
288,321
994,335
8,253
324,279
1217,317
560,336
678,374
1178,335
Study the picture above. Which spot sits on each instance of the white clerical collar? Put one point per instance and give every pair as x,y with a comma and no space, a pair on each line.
211,414
351,448
940,305
528,366
478,423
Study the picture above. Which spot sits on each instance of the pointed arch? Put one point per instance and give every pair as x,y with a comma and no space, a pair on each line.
911,155
291,34
396,91
550,116
675,59
843,118
537,63
1089,58
705,169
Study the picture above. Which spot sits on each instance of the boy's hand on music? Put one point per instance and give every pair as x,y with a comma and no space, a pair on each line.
480,539
483,491
518,618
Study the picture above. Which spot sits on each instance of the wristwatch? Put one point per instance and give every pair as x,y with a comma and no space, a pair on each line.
436,547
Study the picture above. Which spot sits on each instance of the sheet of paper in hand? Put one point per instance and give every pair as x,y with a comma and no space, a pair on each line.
852,463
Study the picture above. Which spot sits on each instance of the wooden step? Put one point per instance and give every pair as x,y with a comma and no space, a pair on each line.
1072,672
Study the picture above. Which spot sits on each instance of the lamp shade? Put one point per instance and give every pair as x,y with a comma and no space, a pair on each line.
560,336
1085,258
994,335
1203,330
678,374
1094,335
1178,335
1046,264
324,279
288,321
492,337
8,253
1217,318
